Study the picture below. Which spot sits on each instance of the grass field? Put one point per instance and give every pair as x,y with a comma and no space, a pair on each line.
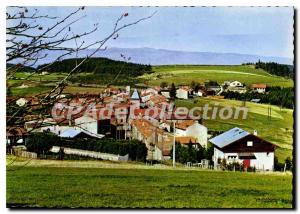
145,188
185,74
178,74
278,130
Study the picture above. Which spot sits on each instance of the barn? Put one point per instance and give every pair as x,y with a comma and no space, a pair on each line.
238,145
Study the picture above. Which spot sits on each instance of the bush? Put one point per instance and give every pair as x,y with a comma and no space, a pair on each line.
184,154
235,166
277,166
41,143
289,164
136,150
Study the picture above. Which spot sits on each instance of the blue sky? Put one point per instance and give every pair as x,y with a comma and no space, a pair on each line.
264,31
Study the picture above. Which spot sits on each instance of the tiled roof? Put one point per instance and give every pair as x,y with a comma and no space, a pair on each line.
16,131
186,140
258,86
184,124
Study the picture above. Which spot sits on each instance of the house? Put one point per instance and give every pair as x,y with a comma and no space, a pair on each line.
149,91
213,90
93,125
234,86
233,83
78,133
87,123
183,93
165,93
186,140
199,93
155,100
153,137
238,145
191,128
259,88
16,136
21,102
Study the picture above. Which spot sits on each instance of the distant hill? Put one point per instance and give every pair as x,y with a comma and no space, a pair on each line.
98,66
100,70
170,57
20,67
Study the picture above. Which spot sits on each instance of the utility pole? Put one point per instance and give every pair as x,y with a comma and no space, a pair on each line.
174,144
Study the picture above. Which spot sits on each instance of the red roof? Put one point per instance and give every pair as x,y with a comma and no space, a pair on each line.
258,85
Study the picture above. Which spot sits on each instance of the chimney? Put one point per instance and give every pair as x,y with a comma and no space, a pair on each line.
255,132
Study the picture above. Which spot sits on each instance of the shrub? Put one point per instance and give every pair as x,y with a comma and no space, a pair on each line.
41,143
288,163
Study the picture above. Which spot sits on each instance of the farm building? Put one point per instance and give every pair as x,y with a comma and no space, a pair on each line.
237,145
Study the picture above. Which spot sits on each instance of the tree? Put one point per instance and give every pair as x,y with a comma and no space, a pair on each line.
173,91
288,163
41,143
29,41
163,84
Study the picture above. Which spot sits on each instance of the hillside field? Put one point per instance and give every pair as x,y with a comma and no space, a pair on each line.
278,130
178,74
185,74
78,187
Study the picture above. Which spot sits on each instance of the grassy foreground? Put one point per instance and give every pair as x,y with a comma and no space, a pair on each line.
145,188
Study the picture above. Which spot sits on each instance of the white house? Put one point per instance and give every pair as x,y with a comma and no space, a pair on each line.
21,102
192,129
233,83
182,93
199,132
237,145
165,93
199,93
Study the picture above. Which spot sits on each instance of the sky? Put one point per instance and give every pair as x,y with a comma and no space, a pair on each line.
266,31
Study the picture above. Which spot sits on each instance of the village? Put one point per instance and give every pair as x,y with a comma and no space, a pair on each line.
149,116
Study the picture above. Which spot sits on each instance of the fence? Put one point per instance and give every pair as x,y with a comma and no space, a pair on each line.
24,154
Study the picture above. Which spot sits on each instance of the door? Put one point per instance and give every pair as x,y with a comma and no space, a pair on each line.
246,163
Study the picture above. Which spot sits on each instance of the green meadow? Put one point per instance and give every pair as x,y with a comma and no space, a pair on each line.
185,74
59,187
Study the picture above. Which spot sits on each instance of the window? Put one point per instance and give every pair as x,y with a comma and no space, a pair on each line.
249,143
